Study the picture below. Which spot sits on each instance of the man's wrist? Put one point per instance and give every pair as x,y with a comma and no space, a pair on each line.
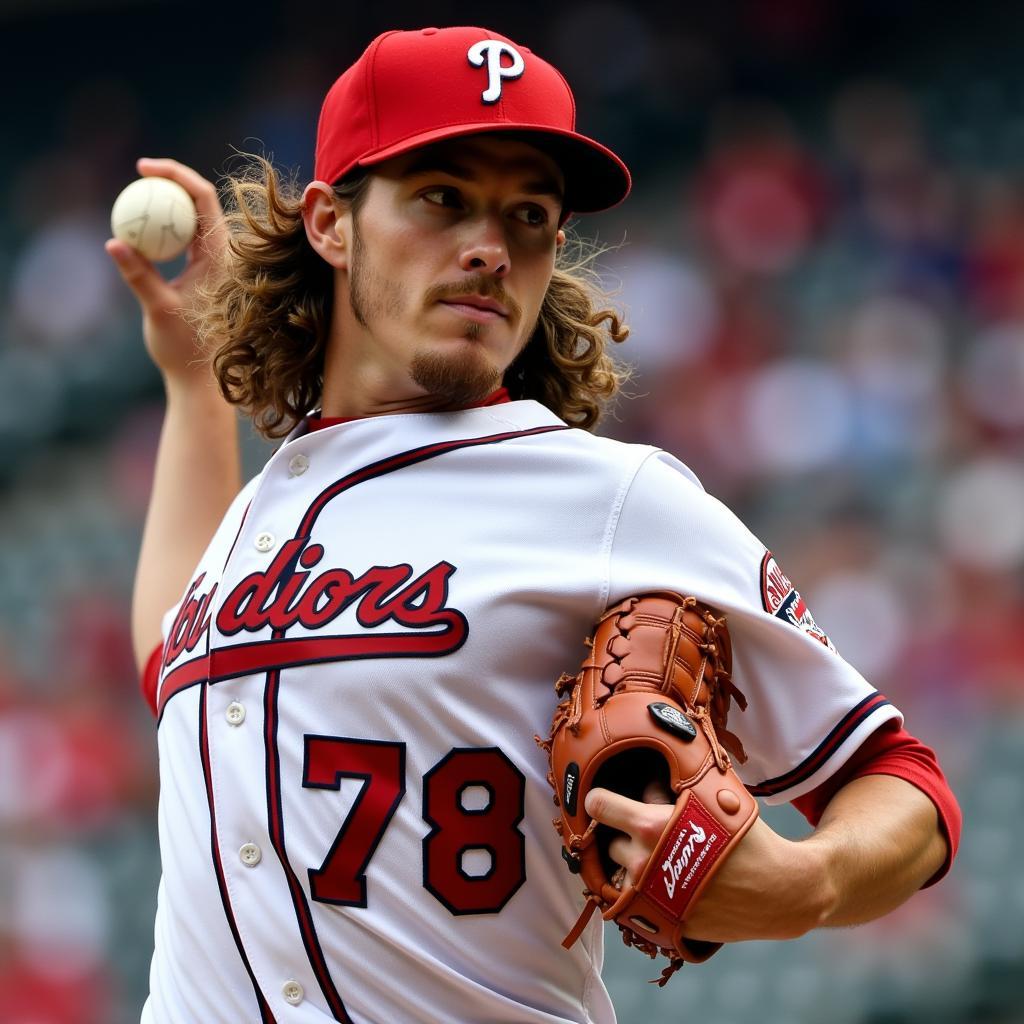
196,391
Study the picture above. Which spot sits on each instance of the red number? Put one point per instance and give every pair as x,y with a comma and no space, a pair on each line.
381,765
457,829
457,826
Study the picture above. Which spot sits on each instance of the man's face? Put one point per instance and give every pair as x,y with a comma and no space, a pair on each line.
452,252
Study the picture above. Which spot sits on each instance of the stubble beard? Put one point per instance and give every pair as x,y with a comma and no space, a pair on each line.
458,377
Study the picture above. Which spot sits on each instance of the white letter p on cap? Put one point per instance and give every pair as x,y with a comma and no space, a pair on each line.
490,51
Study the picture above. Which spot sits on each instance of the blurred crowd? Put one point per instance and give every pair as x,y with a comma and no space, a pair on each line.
827,301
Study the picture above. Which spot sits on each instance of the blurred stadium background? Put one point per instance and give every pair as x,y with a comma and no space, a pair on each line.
823,262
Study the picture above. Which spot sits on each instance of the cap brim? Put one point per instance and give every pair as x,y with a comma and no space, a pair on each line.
595,178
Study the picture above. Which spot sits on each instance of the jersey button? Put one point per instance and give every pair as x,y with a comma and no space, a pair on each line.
298,465
292,992
264,541
235,713
250,855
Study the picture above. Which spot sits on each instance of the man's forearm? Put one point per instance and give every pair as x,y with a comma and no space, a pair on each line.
196,476
879,841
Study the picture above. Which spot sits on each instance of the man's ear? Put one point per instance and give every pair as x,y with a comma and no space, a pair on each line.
328,223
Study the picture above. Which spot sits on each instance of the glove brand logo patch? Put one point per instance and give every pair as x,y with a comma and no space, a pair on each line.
571,787
691,849
672,719
781,599
490,52
679,859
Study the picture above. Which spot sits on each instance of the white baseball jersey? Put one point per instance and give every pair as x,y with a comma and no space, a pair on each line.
355,820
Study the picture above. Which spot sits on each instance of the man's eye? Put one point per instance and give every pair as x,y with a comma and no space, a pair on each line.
534,216
441,196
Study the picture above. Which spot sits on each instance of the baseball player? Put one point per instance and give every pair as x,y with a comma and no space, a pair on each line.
351,655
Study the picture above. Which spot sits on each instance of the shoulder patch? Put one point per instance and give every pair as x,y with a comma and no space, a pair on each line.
781,599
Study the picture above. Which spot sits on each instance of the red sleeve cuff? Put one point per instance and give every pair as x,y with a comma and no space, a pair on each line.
150,677
891,750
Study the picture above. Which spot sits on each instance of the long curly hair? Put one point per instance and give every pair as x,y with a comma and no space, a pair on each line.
264,314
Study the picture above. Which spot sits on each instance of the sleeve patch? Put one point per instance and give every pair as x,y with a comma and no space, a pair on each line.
781,599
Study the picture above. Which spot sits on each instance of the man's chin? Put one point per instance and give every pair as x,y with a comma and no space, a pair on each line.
458,377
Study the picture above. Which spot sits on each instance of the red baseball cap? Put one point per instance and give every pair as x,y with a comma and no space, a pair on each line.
410,89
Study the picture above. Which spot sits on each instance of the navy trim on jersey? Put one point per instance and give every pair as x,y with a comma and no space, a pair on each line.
204,755
275,818
238,533
828,746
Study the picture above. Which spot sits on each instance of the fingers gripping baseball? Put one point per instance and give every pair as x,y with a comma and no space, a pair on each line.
170,338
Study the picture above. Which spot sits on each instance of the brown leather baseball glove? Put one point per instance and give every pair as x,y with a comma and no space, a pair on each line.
650,704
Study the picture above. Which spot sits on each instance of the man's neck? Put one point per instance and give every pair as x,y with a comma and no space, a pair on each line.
498,397
356,388
351,407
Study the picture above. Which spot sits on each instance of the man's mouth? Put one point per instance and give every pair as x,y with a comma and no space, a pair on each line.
477,307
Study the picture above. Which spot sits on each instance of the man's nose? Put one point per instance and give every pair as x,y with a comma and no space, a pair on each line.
486,248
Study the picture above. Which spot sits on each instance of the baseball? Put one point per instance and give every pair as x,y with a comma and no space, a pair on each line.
156,216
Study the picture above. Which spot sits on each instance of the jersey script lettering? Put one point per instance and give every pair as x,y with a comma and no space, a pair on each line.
288,593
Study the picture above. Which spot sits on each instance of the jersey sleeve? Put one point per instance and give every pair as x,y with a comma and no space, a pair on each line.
808,710
150,678
892,750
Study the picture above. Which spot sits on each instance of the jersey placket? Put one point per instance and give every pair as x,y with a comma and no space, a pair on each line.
241,723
